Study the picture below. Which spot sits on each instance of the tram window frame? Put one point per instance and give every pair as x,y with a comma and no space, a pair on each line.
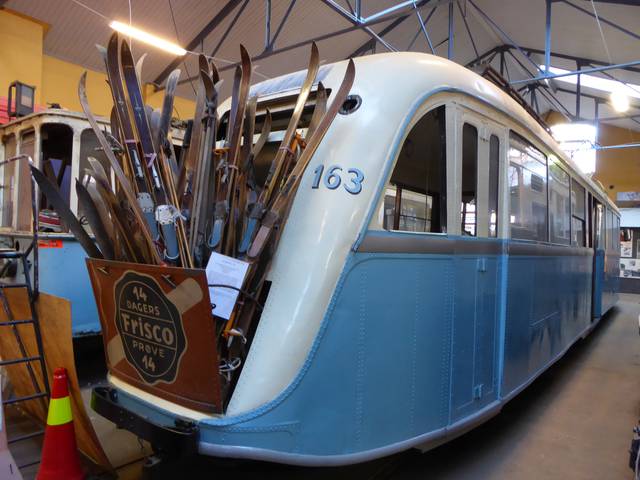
9,185
402,190
599,224
56,158
469,180
559,187
493,205
30,147
578,218
609,229
533,163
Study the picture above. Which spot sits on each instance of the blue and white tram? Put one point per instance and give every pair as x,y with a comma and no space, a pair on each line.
458,257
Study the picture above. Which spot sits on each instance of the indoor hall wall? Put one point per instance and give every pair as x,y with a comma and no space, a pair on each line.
56,80
618,170
21,42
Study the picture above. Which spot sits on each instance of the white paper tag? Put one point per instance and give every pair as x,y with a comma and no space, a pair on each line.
223,270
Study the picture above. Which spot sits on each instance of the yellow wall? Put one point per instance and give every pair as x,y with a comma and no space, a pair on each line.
56,81
20,51
618,170
60,85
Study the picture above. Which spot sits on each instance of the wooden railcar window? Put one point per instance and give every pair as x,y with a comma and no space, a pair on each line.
494,177
8,181
416,197
27,147
468,206
527,190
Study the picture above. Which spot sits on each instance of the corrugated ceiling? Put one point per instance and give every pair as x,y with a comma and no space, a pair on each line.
75,30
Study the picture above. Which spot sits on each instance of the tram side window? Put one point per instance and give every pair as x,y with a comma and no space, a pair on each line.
599,226
527,190
578,214
469,180
8,181
559,203
609,230
27,147
415,197
494,177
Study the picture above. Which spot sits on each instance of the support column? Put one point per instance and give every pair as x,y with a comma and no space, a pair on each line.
450,45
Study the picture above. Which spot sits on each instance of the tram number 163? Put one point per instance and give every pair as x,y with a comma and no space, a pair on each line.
333,178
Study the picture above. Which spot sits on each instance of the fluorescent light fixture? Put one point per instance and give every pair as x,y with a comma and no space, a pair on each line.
599,83
619,102
147,38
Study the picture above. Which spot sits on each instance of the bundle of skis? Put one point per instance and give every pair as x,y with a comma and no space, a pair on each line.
168,212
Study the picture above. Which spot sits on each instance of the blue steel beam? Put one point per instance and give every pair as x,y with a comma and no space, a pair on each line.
229,28
281,26
568,74
223,13
423,27
466,25
267,24
503,34
547,39
603,20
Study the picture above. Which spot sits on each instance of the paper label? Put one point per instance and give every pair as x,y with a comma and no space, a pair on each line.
223,270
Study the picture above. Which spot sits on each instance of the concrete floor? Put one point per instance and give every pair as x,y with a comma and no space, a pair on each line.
574,422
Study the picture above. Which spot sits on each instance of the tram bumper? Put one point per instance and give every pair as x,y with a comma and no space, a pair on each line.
178,439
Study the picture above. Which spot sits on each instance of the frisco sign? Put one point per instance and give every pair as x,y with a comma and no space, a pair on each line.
150,327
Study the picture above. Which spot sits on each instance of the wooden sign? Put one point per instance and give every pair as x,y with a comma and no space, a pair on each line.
158,330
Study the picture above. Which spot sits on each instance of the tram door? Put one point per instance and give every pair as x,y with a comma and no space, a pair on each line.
480,146
598,245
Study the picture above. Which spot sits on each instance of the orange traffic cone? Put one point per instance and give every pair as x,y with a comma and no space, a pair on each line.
60,460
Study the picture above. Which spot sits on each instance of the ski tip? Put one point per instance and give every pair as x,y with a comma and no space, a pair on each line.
82,85
102,49
215,75
203,63
314,50
244,55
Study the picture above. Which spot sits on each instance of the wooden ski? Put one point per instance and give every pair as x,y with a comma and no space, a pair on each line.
259,207
130,141
151,254
281,202
95,221
64,212
167,215
224,195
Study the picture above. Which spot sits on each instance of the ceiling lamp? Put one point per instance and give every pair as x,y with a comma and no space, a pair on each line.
619,102
147,38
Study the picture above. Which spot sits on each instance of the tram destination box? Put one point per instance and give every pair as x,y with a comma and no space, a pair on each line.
158,330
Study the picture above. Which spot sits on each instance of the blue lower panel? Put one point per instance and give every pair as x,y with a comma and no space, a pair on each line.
63,273
548,307
410,348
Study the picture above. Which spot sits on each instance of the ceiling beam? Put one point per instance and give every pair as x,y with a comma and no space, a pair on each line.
369,44
206,30
336,33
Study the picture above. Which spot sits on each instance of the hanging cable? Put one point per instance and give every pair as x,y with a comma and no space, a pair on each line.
604,42
184,62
